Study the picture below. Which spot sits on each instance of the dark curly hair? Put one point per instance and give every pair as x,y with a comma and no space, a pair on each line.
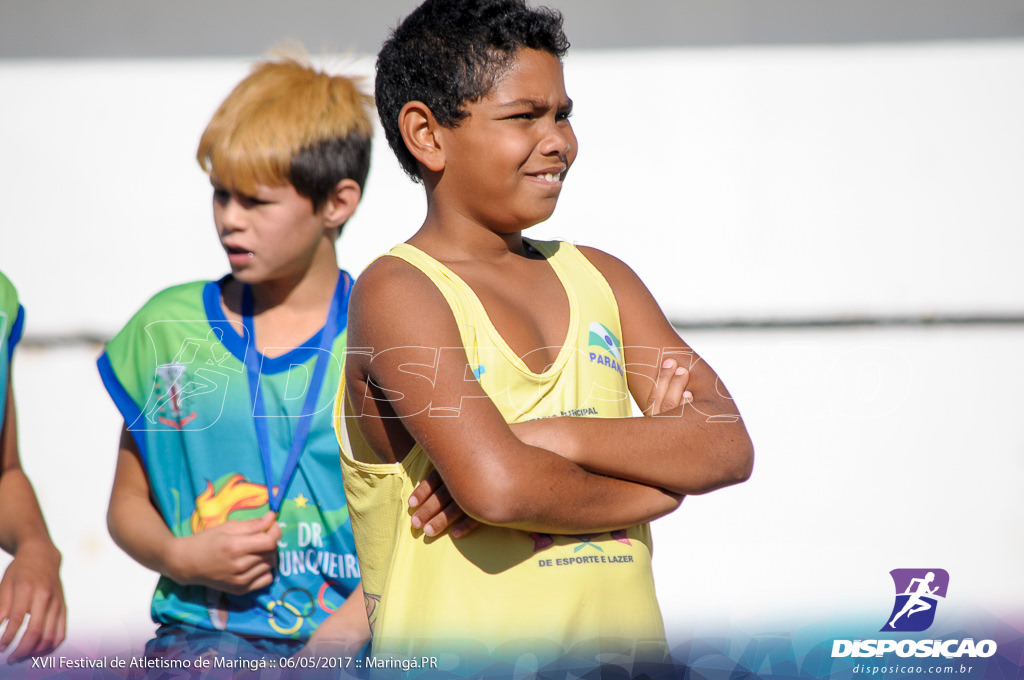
451,52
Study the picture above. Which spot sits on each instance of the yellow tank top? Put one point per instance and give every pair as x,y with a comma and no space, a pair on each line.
499,592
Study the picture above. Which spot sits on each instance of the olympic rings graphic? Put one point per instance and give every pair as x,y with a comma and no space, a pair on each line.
326,606
308,607
281,629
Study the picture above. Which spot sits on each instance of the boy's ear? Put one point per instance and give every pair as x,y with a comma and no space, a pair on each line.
341,203
419,131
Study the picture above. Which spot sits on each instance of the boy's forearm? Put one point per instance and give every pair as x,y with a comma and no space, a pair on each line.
346,630
137,528
22,521
610,505
133,520
535,490
683,450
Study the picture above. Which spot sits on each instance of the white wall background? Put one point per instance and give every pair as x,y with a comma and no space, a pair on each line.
772,182
738,182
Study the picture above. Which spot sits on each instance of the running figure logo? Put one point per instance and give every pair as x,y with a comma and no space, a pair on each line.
917,594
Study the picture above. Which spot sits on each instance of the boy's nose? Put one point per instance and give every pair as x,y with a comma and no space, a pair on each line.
232,216
559,141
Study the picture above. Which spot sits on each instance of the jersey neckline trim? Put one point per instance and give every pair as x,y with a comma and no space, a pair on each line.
236,342
550,251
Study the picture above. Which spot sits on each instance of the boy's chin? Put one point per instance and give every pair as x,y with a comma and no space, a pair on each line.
533,220
246,275
539,220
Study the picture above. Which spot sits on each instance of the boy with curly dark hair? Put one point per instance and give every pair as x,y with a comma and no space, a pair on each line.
500,369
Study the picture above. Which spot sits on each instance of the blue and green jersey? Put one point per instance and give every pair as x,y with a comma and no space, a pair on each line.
12,319
177,373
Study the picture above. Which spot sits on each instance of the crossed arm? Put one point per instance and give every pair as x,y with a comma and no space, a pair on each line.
434,508
692,448
31,584
559,475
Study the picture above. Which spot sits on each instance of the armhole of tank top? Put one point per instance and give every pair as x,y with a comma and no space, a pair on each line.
341,416
592,269
599,278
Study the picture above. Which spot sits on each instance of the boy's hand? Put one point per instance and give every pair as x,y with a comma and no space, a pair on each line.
436,511
237,556
668,393
31,586
670,390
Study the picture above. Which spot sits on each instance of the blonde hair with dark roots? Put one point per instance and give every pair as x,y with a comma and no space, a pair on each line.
289,123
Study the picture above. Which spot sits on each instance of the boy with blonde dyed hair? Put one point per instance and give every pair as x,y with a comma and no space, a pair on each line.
227,479
290,124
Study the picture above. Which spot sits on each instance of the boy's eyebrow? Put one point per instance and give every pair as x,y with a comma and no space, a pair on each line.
534,103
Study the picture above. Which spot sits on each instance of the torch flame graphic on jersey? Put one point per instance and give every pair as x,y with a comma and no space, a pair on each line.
212,509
